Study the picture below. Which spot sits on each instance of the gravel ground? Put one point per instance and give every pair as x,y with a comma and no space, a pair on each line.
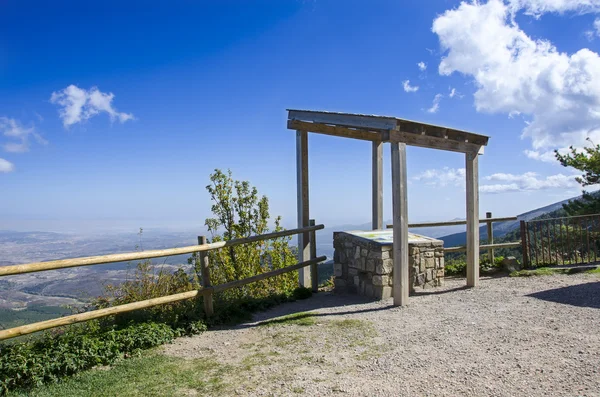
536,336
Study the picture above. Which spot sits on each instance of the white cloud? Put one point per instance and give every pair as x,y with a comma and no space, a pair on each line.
6,166
422,66
18,135
435,106
452,92
442,177
408,87
538,7
528,181
79,105
515,74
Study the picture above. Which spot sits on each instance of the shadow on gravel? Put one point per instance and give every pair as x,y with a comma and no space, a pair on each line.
438,291
582,295
322,300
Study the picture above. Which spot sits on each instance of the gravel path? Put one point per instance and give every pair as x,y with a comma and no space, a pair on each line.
535,336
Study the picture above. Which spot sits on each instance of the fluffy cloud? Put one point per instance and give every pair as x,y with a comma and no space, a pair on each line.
500,182
527,182
79,105
18,135
408,87
442,177
6,166
538,7
422,66
515,74
435,106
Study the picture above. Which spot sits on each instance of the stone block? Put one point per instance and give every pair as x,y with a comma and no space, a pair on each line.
352,271
348,244
429,262
420,279
511,264
442,263
440,273
439,253
369,290
338,269
385,254
429,275
357,253
380,280
356,281
428,254
364,252
382,292
343,257
339,283
414,251
370,266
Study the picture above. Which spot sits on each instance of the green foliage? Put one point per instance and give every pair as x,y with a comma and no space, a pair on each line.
239,212
33,313
458,266
146,283
588,162
33,363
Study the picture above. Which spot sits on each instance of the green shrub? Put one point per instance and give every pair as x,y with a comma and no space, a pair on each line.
29,364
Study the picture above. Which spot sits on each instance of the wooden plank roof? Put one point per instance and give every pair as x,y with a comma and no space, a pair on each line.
386,129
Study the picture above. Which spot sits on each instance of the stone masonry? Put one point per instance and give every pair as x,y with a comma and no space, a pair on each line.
363,262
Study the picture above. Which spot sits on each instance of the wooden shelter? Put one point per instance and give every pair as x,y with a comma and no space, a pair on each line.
399,133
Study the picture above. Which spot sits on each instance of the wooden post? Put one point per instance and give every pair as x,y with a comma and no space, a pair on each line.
490,237
472,176
400,222
303,207
314,272
204,265
524,245
377,186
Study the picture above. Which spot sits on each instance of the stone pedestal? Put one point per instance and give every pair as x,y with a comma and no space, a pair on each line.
363,262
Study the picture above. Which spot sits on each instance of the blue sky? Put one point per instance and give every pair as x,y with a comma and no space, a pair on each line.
169,91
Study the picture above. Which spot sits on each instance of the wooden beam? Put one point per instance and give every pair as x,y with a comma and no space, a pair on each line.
303,204
484,246
454,223
133,256
400,220
472,179
340,131
377,186
347,119
433,142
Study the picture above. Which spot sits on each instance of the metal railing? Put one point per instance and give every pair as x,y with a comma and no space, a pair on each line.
488,220
561,241
207,289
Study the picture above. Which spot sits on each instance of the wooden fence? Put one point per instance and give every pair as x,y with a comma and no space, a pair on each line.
207,289
561,241
488,220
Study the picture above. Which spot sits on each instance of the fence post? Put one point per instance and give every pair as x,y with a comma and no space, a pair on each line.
314,275
490,237
208,297
524,248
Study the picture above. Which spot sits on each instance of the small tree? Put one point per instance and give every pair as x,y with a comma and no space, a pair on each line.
239,211
588,162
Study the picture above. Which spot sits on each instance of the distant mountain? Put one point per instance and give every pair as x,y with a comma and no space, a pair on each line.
502,228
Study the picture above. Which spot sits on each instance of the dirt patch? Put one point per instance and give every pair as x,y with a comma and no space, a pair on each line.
532,336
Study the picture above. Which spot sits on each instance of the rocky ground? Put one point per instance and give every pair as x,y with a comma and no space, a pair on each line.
533,336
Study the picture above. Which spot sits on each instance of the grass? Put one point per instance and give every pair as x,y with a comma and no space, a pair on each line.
148,375
302,319
548,271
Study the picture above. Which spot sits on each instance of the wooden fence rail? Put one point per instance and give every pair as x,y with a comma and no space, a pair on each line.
489,220
132,256
207,290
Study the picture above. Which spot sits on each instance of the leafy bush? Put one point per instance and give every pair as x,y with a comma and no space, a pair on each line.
33,363
239,212
458,267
